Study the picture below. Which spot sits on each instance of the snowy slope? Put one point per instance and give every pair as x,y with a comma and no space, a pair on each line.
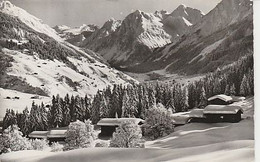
56,67
219,142
66,32
55,77
18,104
30,20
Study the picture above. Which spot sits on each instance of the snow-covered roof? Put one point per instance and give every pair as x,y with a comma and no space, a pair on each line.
222,109
117,121
56,133
222,97
38,134
196,113
238,98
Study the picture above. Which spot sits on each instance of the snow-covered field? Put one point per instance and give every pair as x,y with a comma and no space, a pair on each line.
18,104
194,142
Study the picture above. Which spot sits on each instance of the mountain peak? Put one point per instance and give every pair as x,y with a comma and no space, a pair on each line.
182,6
111,24
30,20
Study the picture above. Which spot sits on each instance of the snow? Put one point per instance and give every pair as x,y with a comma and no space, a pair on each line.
30,20
203,142
207,50
76,30
16,156
154,35
18,104
51,75
222,97
56,133
187,22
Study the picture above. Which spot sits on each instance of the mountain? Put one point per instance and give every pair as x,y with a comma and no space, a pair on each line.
34,59
221,37
77,34
132,41
30,20
179,21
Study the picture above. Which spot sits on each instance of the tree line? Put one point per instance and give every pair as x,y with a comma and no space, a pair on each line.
135,100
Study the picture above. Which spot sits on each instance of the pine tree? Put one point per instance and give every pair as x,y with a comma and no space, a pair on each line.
66,111
95,108
58,112
125,105
227,90
104,107
87,106
244,87
185,100
72,108
25,122
115,102
33,117
203,98
9,119
151,97
43,117
232,90
79,111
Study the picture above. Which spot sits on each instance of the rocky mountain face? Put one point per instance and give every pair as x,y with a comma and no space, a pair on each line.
36,60
180,20
221,37
132,41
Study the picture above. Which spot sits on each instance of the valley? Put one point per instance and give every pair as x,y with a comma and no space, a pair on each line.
59,82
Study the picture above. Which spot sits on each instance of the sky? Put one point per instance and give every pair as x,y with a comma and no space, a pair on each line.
77,12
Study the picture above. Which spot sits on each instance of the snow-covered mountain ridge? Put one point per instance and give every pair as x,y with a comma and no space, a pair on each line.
33,60
132,41
30,20
76,34
221,37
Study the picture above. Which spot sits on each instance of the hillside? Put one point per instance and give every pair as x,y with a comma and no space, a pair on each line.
36,60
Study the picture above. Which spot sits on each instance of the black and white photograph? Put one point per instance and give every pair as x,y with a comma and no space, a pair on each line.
128,80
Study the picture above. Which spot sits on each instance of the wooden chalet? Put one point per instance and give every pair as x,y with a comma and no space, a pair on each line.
53,135
226,113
